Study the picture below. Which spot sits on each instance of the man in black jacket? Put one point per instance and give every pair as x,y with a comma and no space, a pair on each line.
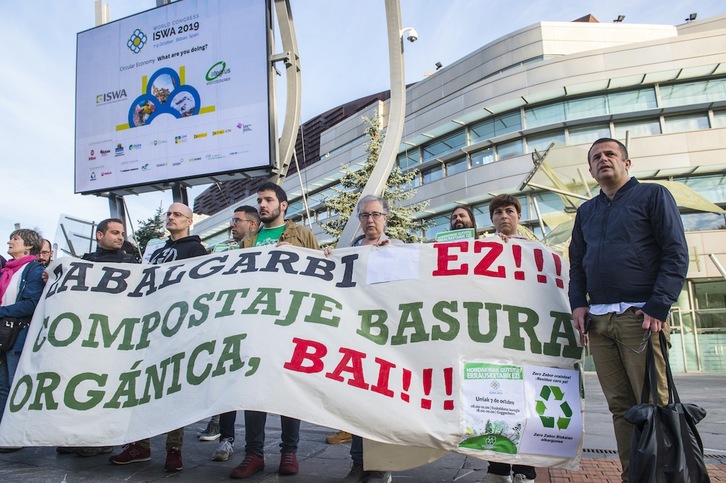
628,263
179,246
110,237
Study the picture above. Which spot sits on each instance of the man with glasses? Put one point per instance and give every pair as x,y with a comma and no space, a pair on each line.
245,220
179,246
373,216
628,263
45,255
272,201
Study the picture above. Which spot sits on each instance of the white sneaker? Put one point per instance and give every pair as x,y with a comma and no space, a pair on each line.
223,451
492,478
520,478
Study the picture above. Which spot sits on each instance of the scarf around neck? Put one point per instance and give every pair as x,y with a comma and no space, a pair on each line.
11,267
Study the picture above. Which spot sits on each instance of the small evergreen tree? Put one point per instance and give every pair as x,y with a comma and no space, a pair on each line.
151,228
401,223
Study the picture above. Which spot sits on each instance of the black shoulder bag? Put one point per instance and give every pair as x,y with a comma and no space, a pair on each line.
10,328
666,446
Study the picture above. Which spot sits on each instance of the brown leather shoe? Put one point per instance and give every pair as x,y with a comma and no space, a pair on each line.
132,453
288,463
173,460
249,466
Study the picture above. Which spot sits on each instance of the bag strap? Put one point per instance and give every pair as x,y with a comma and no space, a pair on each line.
650,379
672,391
692,458
650,386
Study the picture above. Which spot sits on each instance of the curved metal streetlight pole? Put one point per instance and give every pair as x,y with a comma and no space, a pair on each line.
396,116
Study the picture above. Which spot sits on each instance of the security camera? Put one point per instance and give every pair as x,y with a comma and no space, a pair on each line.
411,34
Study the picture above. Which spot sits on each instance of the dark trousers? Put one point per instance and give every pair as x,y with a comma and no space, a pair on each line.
255,433
505,469
614,341
226,425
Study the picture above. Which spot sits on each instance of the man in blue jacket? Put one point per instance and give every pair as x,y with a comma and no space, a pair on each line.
628,263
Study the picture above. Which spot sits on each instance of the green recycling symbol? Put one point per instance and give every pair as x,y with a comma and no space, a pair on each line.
550,395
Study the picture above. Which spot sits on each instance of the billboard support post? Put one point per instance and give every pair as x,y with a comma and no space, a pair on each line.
293,100
179,193
116,207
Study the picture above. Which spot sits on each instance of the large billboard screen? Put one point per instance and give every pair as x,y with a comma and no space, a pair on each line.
180,92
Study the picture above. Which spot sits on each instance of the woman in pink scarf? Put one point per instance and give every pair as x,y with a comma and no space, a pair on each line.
21,286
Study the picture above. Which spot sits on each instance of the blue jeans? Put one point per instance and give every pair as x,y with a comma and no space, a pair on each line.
255,433
8,365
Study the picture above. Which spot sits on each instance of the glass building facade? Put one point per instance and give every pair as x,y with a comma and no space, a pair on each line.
492,116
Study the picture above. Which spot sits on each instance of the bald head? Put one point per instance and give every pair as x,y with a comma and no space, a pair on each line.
178,220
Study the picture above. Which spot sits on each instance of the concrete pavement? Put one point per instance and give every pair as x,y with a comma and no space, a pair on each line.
323,463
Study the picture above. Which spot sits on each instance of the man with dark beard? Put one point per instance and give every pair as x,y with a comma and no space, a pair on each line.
272,201
462,217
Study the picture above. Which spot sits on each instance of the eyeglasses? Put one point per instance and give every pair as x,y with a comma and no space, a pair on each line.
45,252
175,214
375,215
234,221
641,347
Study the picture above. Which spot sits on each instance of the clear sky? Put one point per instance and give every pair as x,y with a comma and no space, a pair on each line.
343,57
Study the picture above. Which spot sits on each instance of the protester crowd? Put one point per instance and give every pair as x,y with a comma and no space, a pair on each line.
628,264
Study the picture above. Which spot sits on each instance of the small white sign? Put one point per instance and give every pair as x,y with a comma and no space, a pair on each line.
456,235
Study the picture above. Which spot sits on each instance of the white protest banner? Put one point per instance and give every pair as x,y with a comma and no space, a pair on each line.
400,344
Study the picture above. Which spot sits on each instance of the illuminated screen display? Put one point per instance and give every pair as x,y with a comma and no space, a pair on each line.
180,92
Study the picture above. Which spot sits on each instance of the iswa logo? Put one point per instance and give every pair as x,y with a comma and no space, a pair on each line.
137,41
111,96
